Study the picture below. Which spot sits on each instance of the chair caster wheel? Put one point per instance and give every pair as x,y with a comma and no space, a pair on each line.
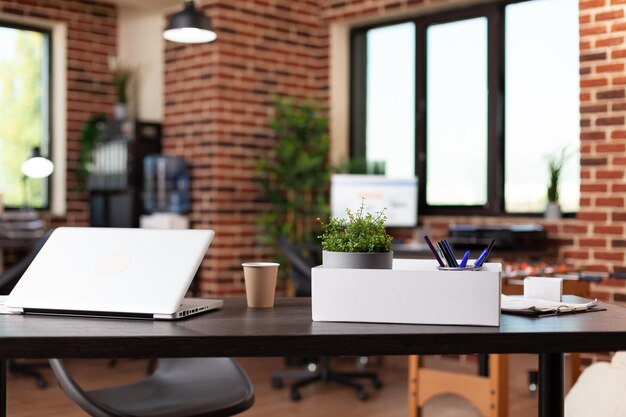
41,383
295,396
362,395
277,383
378,384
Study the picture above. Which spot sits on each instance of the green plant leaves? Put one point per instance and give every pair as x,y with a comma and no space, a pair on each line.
90,137
358,233
295,177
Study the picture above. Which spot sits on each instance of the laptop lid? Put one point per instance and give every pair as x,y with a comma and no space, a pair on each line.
144,271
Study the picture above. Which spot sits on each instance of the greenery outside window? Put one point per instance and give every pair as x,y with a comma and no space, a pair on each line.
474,102
25,122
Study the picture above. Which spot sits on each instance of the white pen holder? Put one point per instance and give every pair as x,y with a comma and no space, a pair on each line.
413,292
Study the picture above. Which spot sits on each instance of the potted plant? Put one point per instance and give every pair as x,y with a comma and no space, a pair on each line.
294,176
555,168
293,179
121,77
90,138
359,241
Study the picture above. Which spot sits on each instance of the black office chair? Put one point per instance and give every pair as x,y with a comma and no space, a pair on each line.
8,279
301,258
181,387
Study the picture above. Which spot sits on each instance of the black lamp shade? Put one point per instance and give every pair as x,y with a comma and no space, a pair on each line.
189,26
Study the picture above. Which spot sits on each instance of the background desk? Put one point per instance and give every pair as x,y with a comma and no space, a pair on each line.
287,330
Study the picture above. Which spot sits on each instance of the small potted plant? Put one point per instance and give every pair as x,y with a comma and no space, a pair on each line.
555,167
360,241
122,74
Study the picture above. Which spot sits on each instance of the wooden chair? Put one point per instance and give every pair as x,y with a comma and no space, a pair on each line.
489,394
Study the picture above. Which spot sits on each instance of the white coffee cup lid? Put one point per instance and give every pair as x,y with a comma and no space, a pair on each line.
260,264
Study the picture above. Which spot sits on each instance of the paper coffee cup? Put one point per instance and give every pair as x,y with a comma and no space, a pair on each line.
260,279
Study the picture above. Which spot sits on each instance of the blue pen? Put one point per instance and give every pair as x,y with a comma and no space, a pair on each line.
481,258
463,263
486,255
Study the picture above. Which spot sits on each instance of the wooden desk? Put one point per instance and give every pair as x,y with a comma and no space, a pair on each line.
287,330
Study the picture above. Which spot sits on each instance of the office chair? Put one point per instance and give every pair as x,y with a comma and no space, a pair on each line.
301,259
8,279
180,387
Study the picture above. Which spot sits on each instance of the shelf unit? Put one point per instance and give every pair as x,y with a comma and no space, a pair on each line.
115,182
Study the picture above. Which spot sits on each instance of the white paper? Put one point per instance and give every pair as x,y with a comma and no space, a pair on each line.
534,305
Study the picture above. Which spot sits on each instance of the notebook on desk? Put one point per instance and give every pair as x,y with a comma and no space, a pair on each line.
109,272
541,308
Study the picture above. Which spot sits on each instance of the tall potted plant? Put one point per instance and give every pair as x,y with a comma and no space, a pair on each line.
295,176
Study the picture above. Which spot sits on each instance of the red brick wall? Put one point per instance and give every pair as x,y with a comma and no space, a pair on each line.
218,99
91,39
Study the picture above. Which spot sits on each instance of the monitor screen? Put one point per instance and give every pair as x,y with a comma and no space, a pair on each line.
398,195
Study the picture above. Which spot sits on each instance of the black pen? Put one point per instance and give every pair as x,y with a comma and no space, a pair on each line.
451,253
432,249
446,256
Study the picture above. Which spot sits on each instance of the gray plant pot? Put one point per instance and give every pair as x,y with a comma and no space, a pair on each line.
120,111
553,211
357,260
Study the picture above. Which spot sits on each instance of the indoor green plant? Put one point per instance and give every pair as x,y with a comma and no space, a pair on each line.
555,167
295,176
358,241
293,179
122,74
90,138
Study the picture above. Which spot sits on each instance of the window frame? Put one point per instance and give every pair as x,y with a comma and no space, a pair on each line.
495,14
48,32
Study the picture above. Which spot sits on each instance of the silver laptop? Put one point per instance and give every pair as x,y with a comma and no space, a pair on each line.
108,272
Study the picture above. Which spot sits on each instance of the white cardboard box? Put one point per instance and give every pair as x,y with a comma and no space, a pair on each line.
413,292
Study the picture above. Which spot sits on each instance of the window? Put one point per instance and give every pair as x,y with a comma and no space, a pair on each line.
390,119
24,111
541,103
456,90
473,102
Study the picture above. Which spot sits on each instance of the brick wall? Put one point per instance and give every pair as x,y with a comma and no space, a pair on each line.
218,99
91,39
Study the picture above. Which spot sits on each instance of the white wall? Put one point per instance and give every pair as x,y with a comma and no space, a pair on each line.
140,44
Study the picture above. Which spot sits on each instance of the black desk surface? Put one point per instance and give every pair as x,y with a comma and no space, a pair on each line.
287,329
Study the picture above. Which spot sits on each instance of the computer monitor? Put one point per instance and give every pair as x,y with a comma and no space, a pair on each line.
398,195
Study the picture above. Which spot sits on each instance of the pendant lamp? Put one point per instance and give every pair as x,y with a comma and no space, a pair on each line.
189,26
37,166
